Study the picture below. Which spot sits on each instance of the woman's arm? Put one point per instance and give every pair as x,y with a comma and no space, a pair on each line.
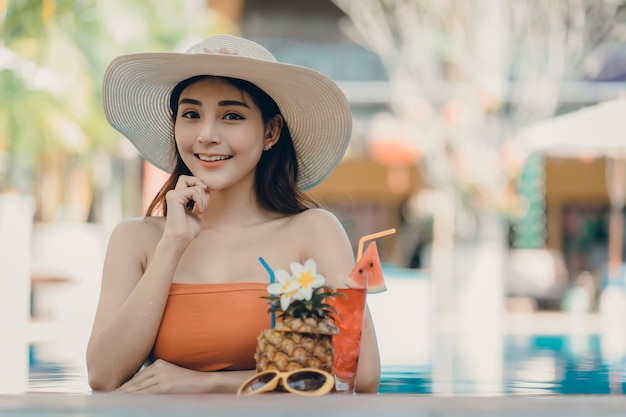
166,378
133,296
368,372
131,304
331,249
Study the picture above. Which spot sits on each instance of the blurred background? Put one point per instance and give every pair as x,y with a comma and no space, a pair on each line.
489,133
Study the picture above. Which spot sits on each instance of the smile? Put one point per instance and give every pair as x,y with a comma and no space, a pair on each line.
213,158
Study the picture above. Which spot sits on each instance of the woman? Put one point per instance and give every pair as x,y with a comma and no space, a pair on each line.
243,137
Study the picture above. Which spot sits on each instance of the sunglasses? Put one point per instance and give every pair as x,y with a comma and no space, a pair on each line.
305,381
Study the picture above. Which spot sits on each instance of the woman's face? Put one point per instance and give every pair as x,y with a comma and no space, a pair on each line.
220,133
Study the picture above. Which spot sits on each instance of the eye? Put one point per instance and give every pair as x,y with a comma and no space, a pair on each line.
190,114
233,116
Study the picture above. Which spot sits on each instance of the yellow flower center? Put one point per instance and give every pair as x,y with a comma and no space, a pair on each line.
306,279
290,293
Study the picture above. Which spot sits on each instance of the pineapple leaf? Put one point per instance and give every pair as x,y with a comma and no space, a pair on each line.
317,307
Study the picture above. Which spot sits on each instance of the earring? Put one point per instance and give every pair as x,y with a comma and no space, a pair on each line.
268,147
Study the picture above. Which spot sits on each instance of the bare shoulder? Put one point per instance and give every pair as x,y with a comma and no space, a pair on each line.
137,237
317,220
323,238
139,229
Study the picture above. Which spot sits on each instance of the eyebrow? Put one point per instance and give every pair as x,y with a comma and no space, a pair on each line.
233,103
190,101
222,103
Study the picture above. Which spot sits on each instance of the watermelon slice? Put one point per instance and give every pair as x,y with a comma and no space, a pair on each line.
370,263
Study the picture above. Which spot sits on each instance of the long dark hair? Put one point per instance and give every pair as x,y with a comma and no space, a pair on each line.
277,171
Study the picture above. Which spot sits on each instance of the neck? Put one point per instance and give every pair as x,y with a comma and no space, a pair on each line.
227,210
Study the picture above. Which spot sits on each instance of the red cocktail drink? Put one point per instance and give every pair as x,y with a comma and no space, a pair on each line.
347,343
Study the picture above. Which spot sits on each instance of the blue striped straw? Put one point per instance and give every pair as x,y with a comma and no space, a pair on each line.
269,271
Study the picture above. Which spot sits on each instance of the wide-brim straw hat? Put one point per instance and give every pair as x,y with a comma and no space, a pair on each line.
137,88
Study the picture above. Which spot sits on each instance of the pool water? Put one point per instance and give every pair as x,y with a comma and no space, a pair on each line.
529,365
48,374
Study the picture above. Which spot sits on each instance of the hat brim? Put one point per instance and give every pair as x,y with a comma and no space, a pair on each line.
137,87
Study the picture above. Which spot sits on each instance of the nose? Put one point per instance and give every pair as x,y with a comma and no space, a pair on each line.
208,133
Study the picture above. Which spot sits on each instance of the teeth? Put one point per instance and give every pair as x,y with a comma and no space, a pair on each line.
212,158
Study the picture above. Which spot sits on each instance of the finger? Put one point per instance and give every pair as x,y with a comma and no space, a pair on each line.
205,195
201,200
145,386
138,382
186,181
184,196
195,200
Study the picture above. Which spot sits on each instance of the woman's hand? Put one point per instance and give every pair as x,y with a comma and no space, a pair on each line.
163,377
186,207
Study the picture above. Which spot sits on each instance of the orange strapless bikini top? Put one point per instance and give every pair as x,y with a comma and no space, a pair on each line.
212,327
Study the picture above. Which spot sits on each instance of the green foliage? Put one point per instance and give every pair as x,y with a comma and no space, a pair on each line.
53,57
49,101
33,18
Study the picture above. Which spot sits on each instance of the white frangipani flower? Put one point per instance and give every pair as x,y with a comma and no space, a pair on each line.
297,285
307,278
286,287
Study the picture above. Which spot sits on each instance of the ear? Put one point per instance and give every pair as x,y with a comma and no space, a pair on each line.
272,131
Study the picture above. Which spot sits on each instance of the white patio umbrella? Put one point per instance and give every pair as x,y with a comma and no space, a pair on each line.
596,131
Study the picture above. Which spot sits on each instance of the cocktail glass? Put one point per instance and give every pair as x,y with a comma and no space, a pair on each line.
347,344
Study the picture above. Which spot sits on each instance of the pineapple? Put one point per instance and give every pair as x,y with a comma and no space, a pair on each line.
303,335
